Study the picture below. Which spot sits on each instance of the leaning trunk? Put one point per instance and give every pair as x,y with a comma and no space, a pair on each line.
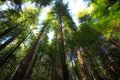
5,32
9,54
8,41
21,71
85,75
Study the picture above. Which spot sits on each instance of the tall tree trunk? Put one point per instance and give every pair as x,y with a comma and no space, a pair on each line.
8,41
9,54
61,67
109,63
94,65
77,73
85,73
75,68
21,71
30,69
5,32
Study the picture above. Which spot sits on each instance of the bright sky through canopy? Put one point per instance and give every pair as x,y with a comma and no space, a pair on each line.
74,7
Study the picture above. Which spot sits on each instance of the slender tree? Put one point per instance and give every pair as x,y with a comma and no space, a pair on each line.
21,71
61,72
9,54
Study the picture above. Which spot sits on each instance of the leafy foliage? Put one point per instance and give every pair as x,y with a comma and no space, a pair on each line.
88,51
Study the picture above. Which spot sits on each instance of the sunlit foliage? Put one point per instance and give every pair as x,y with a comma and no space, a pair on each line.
87,51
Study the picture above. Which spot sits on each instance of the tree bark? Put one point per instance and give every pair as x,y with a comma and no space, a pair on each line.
21,71
61,67
9,54
85,73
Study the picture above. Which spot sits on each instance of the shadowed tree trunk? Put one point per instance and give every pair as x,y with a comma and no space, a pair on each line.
30,69
5,32
53,71
9,54
77,73
106,59
21,71
9,41
92,61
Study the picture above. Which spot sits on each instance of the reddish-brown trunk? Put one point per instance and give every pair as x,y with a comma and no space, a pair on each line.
85,75
61,67
21,71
